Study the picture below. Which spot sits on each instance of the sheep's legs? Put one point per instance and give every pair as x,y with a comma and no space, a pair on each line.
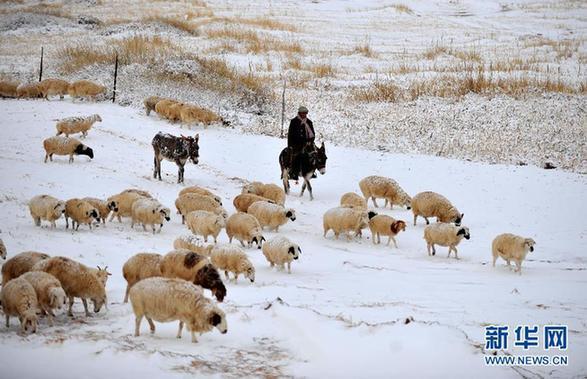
518,267
179,330
138,320
126,293
289,267
374,202
392,239
226,274
194,339
374,238
7,321
494,259
151,325
50,315
70,311
415,217
85,302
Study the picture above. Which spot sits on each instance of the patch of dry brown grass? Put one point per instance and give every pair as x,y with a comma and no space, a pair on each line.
564,48
402,8
253,41
175,22
51,9
321,70
135,49
364,48
265,23
379,91
437,50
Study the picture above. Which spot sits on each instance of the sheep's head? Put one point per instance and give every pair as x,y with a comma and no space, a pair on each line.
93,213
217,319
371,214
258,239
97,118
102,274
99,302
529,244
220,221
59,208
398,226
82,149
294,251
218,200
291,214
464,231
165,212
455,216
57,297
406,200
113,206
29,322
249,271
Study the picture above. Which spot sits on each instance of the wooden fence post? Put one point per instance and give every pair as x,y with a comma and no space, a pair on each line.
282,108
115,76
41,67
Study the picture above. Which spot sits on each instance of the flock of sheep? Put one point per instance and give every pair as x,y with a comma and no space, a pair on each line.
171,287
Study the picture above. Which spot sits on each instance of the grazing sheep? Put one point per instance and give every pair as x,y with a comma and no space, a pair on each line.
2,250
244,228
189,113
165,300
200,191
431,204
345,220
104,207
50,294
269,191
195,268
445,234
124,202
204,223
386,226
352,200
169,109
190,202
80,212
77,280
60,145
73,125
19,299
192,243
233,259
53,87
151,102
138,267
86,89
381,187
141,192
149,212
20,264
45,207
243,201
271,215
8,89
28,91
279,251
511,247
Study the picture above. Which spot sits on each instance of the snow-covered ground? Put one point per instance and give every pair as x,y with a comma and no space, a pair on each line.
342,311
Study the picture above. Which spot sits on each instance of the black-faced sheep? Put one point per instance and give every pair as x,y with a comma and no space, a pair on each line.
80,212
346,220
165,300
271,215
104,207
149,212
124,202
59,145
511,247
244,228
445,234
280,251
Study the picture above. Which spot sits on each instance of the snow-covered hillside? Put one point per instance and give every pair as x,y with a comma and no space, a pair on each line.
342,311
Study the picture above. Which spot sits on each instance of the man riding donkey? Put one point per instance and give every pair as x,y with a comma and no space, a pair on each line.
301,156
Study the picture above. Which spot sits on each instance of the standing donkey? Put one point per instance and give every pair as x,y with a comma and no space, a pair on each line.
174,149
313,158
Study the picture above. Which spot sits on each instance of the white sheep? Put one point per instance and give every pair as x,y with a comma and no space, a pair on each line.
201,191
381,187
151,102
271,215
445,234
140,266
124,202
80,212
280,251
2,250
511,247
52,87
165,300
204,223
28,91
190,202
86,89
169,109
8,89
346,220
243,201
231,258
192,243
104,207
50,294
244,228
383,225
20,264
73,125
59,145
45,207
431,204
149,212
77,280
19,299
269,190
352,200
